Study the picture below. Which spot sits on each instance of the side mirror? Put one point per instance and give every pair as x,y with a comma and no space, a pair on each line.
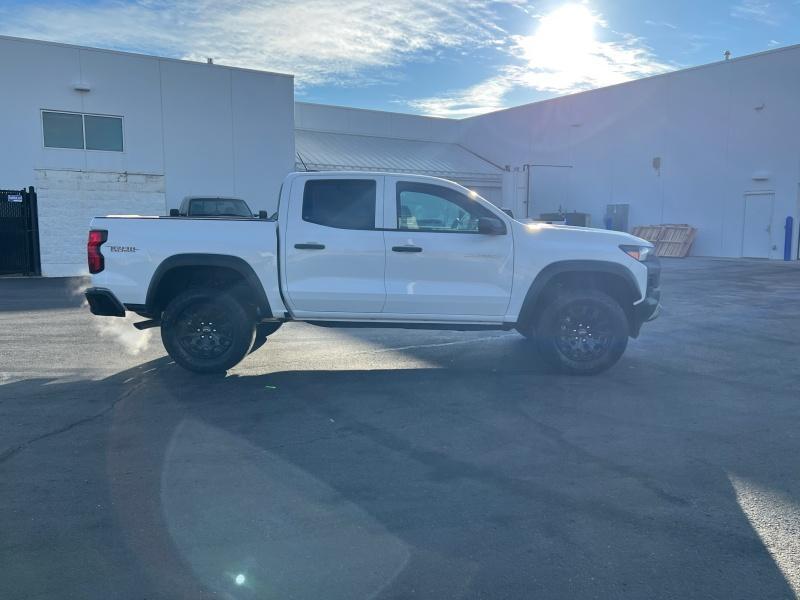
508,211
262,214
174,212
491,226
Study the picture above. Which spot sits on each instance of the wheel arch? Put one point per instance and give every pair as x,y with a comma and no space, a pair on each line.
610,277
195,267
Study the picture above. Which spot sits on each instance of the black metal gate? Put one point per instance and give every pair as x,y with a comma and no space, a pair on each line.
19,233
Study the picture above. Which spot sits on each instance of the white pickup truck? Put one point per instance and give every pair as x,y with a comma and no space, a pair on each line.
349,249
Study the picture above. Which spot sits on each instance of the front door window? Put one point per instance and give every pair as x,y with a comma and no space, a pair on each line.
428,207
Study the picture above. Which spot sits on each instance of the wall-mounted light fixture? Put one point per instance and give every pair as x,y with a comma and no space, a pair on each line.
657,164
82,87
761,175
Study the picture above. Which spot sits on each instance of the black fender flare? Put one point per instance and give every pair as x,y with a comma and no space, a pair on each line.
209,260
547,274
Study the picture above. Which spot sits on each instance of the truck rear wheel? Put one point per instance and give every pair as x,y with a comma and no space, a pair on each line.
207,331
582,332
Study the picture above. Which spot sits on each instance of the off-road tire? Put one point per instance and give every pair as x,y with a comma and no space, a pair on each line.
206,330
581,332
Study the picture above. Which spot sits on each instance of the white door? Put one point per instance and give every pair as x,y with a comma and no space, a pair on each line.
757,235
437,262
334,251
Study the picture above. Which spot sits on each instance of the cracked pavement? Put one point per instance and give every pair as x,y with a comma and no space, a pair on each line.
406,464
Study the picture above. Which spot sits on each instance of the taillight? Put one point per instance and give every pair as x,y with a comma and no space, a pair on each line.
97,238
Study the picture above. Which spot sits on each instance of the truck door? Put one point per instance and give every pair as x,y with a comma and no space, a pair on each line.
437,262
334,250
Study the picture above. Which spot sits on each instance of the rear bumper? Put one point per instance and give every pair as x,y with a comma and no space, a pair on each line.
104,303
650,307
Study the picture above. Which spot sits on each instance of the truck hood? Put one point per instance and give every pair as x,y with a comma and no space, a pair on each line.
582,235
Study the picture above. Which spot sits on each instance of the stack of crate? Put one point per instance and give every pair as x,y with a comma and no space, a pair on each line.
669,239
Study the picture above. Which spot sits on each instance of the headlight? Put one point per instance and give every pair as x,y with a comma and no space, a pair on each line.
640,253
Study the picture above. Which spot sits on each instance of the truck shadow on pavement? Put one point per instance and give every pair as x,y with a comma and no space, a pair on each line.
425,482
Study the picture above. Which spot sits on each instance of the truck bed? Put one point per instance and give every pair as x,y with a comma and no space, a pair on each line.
137,245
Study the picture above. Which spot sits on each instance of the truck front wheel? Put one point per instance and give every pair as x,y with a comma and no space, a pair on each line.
582,332
207,331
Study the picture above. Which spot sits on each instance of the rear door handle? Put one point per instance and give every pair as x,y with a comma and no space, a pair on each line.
406,249
310,246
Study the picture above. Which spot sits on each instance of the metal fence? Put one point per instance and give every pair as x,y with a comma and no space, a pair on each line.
19,233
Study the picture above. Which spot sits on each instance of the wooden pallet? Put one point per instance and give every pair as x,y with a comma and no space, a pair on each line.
670,240
648,232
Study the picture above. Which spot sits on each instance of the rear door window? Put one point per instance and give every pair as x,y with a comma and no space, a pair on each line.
340,203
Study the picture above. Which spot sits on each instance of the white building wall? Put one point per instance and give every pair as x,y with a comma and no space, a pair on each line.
355,121
263,134
68,199
188,128
719,132
339,119
125,85
714,129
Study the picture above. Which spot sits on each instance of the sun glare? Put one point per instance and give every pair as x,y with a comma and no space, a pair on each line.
565,35
564,54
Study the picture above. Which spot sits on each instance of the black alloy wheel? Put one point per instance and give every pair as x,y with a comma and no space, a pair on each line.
581,332
204,331
584,331
207,330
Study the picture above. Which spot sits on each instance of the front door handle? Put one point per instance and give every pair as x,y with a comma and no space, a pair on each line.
406,249
310,246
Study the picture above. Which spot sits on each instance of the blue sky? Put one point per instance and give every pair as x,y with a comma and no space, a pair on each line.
440,57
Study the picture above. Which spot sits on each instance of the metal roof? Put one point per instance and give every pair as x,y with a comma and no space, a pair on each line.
322,150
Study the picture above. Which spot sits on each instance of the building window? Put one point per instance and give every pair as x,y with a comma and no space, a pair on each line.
341,203
103,133
82,132
62,130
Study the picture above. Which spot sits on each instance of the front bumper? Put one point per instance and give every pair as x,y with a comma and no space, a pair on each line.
104,303
650,307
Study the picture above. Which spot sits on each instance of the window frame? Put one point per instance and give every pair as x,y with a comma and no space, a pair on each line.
83,129
401,183
377,200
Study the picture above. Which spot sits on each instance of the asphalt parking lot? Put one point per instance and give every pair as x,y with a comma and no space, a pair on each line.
406,464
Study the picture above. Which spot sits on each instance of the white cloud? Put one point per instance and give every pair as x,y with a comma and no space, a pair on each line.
755,10
563,56
666,24
354,42
320,41
483,97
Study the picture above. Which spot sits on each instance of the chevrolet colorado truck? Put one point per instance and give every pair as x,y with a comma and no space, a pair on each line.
351,249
